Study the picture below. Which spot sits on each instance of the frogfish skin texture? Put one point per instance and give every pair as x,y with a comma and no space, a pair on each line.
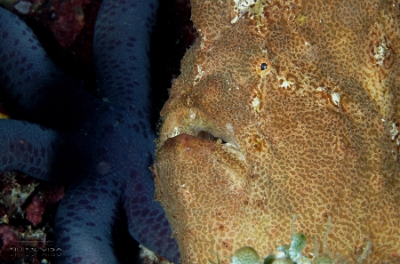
285,108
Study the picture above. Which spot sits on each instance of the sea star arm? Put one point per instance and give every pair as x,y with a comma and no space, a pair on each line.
38,91
108,145
121,55
32,84
27,147
121,50
42,93
142,211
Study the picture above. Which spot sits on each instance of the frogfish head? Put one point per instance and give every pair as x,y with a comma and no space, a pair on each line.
285,108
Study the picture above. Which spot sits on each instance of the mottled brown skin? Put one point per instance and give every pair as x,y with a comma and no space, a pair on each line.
242,149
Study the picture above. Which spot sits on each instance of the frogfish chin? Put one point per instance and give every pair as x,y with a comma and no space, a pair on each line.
285,108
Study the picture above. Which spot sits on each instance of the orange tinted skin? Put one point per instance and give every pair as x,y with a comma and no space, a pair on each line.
244,147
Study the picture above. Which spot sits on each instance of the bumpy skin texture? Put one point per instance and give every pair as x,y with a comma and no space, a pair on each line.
282,108
104,144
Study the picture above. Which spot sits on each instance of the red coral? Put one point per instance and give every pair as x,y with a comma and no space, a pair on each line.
66,20
35,210
9,239
37,207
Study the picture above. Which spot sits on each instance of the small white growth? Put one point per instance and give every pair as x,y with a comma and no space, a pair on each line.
199,75
254,9
394,131
175,132
241,7
336,98
381,52
285,82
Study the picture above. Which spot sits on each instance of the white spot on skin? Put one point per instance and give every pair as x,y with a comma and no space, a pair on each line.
251,7
256,103
241,7
192,115
394,131
381,52
199,75
175,132
229,127
234,20
285,83
336,98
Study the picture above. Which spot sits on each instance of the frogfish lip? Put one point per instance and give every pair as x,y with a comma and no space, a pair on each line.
199,170
194,129
195,123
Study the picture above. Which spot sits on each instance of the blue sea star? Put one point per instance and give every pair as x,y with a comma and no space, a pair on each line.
104,145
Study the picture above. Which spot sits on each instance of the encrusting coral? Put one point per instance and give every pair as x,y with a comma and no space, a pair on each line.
285,107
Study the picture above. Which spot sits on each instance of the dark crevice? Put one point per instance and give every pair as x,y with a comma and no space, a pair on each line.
208,136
